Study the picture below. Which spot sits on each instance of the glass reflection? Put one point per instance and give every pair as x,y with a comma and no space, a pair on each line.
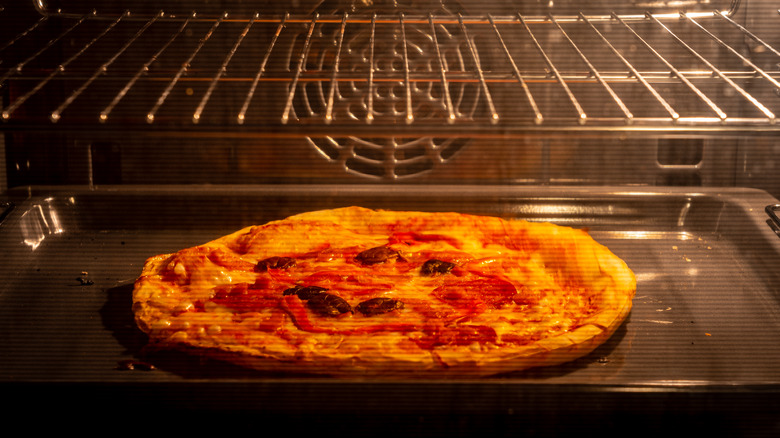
40,221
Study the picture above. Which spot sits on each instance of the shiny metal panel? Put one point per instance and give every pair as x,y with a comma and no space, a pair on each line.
706,312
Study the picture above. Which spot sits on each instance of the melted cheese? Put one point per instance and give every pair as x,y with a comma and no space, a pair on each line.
335,269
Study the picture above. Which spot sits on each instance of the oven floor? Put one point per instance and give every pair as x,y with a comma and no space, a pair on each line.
706,311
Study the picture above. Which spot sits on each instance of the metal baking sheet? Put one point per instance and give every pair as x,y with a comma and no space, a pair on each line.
705,322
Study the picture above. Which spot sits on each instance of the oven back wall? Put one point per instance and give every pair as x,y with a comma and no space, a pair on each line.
650,162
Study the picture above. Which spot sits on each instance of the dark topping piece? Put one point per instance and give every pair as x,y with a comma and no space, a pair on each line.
327,304
304,292
380,254
436,267
377,306
274,263
84,281
131,364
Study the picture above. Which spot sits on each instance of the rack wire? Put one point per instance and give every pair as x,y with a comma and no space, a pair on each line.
390,74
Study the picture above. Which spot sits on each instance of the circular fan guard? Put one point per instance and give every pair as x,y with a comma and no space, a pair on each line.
394,157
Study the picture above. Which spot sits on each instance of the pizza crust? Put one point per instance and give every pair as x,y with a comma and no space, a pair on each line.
171,285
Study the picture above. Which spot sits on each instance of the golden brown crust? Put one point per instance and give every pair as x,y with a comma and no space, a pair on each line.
567,295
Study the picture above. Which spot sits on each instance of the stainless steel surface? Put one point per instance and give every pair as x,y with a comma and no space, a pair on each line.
537,94
703,330
418,92
202,66
774,219
706,310
645,121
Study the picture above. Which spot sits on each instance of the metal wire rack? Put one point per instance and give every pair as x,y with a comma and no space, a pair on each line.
391,74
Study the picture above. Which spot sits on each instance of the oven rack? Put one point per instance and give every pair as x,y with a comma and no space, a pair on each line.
391,74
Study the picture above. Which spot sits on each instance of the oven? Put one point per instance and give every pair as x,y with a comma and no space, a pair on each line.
131,129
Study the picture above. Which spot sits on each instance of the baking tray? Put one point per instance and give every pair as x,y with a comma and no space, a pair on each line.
702,338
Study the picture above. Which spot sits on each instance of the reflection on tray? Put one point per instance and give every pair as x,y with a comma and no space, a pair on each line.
40,221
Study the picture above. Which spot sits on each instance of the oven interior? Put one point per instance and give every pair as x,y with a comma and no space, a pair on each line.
132,129
412,92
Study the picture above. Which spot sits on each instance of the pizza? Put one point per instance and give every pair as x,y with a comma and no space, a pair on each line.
360,292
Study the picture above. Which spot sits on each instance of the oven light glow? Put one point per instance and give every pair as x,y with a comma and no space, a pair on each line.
55,226
549,209
39,222
647,235
647,276
34,227
702,119
637,234
658,385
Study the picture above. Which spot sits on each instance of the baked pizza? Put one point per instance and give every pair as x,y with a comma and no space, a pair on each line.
354,292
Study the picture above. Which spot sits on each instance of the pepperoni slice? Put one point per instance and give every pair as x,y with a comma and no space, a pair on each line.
477,293
344,280
229,260
245,297
295,307
459,335
412,238
273,323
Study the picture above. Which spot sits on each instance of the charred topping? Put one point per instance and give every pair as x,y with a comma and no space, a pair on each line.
274,263
131,364
304,292
84,279
436,267
378,306
327,304
373,256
